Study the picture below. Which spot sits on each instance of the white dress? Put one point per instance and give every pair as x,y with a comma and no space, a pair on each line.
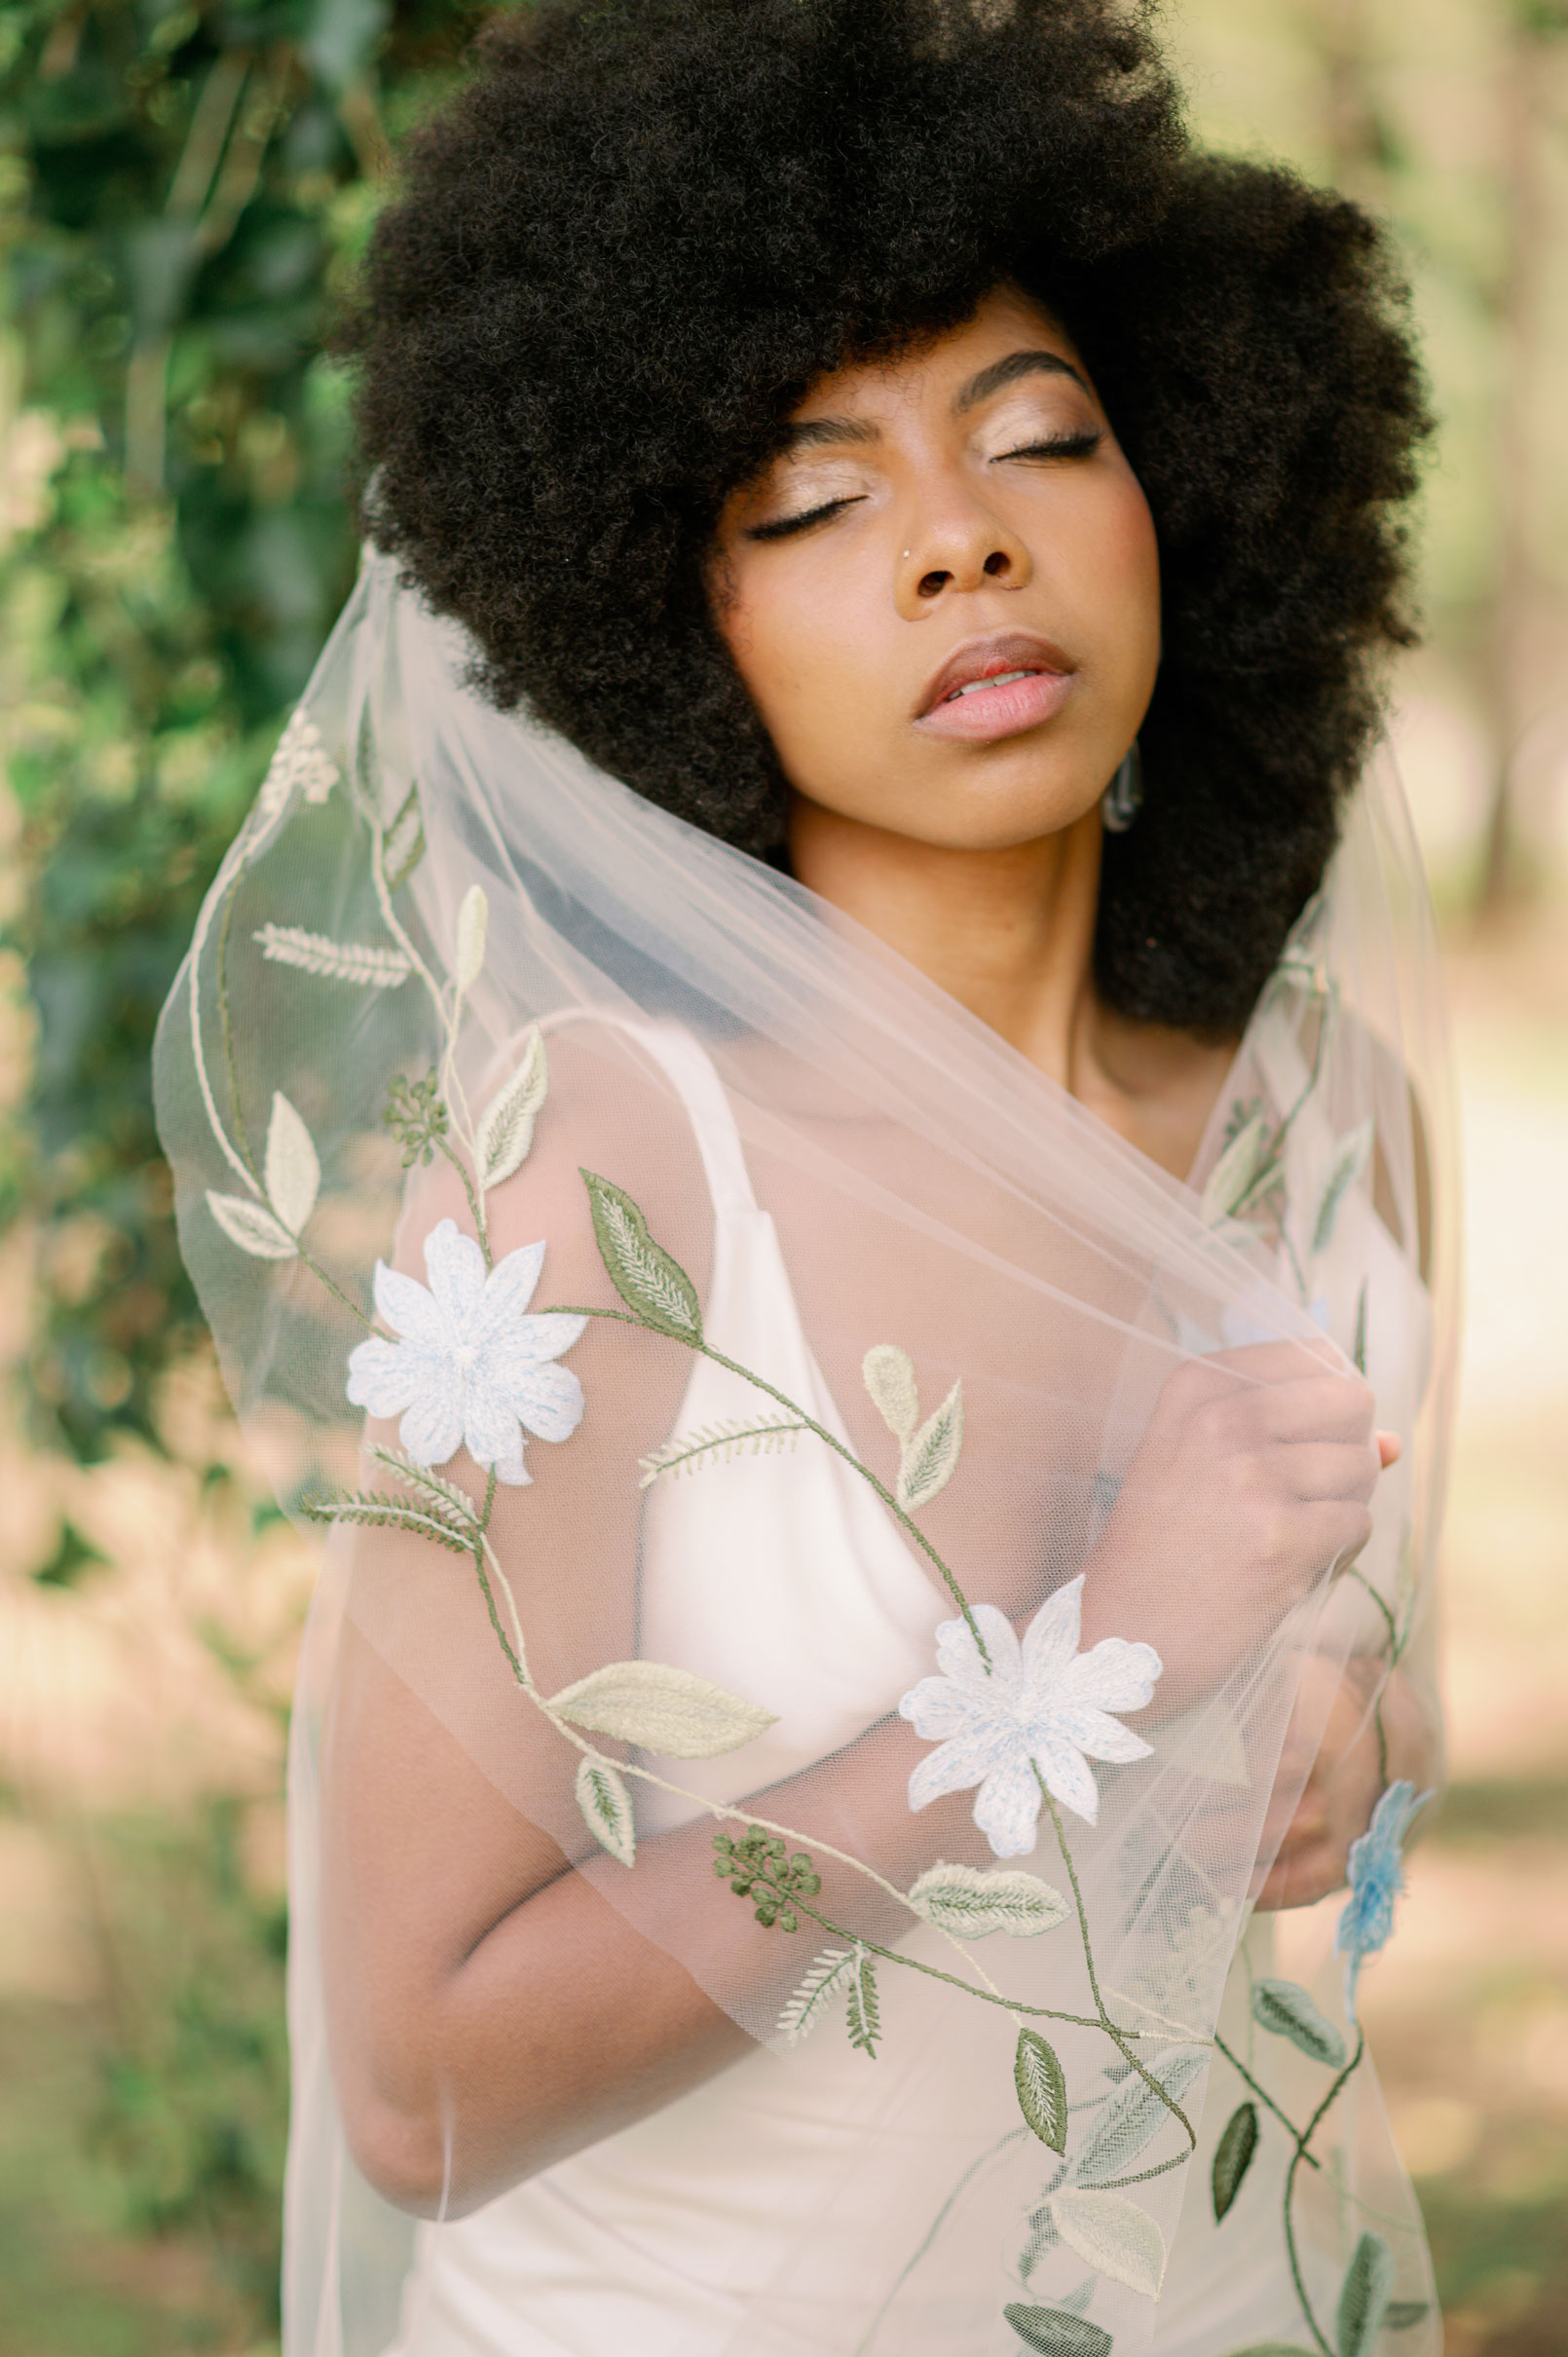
732,2222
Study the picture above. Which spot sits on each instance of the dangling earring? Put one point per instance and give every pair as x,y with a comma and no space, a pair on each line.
1119,804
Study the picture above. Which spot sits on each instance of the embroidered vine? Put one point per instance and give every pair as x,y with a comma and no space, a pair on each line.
463,1361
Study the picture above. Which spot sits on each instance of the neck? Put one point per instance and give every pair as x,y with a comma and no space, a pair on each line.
1009,934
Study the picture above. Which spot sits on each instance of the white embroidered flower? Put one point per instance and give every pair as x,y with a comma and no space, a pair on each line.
1042,1705
470,1366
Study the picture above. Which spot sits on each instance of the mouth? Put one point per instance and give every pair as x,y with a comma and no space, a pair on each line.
996,687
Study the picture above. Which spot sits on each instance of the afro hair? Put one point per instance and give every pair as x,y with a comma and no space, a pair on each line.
640,232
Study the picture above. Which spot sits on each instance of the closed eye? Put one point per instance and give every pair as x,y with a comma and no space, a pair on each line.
1080,444
786,524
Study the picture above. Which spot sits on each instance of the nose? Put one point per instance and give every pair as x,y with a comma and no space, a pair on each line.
954,548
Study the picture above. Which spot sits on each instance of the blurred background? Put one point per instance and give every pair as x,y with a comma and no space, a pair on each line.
183,184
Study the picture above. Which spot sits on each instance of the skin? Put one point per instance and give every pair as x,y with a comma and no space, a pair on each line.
970,488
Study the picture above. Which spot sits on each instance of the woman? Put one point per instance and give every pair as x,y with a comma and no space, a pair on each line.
797,915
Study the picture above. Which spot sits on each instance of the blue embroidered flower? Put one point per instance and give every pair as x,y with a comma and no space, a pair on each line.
1042,1703
1376,1879
470,1366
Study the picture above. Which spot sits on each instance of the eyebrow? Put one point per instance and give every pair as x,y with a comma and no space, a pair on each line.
814,434
1003,373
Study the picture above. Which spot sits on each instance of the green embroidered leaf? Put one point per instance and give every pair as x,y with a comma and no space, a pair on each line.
664,1709
1078,2302
1357,1348
374,1509
1235,1178
446,1498
1133,2117
402,847
1363,2297
1112,2235
650,1283
1056,2332
823,1986
972,1903
1042,2090
932,1459
291,1173
253,1227
1233,2158
1401,2314
1043,2237
692,1450
357,961
506,1125
889,1377
1284,2007
865,2021
605,1808
1350,1160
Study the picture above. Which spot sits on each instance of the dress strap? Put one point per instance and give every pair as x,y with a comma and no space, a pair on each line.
693,1074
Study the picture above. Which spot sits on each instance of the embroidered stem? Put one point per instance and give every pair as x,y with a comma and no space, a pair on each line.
1304,2140
807,1423
475,1201
1265,2098
1117,2036
225,1025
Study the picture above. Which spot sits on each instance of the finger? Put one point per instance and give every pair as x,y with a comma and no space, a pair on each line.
1390,1448
1276,1362
1320,1470
1323,1407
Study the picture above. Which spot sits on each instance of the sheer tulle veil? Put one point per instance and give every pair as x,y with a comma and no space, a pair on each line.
485,1085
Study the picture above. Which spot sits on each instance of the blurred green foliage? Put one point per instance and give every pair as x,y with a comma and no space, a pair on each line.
182,190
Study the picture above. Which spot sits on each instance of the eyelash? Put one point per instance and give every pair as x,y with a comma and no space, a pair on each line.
1081,445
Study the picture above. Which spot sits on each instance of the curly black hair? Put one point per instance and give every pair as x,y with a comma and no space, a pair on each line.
643,229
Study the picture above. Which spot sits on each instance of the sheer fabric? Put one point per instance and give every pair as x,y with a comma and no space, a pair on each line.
872,1490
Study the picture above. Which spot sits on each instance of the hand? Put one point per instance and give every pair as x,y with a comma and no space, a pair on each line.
1346,1777
1253,1479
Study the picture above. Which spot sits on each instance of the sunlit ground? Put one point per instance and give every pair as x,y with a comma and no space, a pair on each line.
1469,2008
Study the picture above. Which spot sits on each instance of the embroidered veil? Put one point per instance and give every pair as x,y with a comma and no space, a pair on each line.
722,1369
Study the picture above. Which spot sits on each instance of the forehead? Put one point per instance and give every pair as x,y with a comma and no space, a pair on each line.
1006,322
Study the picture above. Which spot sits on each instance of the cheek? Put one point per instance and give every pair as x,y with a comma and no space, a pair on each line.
801,648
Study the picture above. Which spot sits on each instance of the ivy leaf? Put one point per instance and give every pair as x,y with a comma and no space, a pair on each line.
932,1459
1042,2090
824,1983
1233,2158
1112,2235
1283,2009
402,847
1350,1160
506,1125
1235,1180
253,1227
1401,2314
888,1374
972,1903
1056,2332
291,1173
606,1807
668,1710
1363,2297
1133,2117
650,1283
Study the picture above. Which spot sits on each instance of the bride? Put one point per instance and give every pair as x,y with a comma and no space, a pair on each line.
810,1117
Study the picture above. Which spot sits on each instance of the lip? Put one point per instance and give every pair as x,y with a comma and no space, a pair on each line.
988,713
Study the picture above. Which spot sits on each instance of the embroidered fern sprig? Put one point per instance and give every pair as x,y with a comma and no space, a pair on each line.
357,961
865,2020
820,1987
376,1509
712,1444
445,1497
